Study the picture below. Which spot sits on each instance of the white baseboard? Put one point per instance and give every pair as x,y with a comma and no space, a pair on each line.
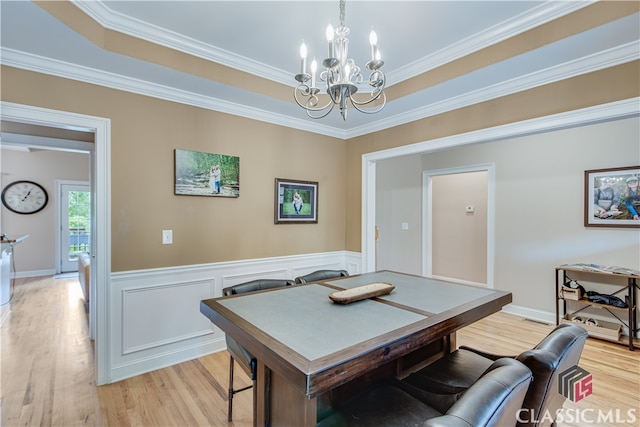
530,313
161,360
33,273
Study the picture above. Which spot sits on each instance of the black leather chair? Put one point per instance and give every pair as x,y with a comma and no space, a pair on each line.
442,383
493,400
236,351
321,275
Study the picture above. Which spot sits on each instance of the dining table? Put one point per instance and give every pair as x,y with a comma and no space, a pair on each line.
315,351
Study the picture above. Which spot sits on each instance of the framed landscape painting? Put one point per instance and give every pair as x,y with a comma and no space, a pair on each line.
296,202
612,197
206,174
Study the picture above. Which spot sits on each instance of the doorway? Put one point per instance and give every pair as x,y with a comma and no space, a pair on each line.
74,223
458,224
101,208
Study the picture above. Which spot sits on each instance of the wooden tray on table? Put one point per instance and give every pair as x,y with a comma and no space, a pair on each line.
361,292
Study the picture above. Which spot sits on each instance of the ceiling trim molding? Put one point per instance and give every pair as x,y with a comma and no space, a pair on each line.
145,31
39,64
606,59
519,24
615,56
11,140
585,116
539,15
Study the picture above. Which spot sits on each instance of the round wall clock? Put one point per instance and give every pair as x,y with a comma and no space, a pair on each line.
24,197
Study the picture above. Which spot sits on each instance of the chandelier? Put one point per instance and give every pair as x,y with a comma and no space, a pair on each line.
341,76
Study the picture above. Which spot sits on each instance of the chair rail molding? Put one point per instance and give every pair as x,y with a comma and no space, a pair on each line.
155,318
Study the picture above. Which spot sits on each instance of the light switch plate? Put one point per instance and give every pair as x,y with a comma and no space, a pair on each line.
167,237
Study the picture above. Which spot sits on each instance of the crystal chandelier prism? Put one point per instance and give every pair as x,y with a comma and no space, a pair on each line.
340,77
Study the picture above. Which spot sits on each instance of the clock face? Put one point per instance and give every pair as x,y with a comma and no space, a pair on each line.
24,197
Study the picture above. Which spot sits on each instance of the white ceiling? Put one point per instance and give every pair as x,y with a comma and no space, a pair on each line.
263,38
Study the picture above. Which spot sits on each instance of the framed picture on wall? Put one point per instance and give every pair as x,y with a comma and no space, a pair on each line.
612,197
296,202
206,174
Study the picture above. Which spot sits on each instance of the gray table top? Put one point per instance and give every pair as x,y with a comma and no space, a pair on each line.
304,319
422,293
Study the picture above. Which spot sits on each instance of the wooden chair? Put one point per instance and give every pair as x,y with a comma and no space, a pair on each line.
321,275
238,353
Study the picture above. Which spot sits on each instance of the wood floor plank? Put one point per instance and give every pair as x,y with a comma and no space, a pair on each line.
47,372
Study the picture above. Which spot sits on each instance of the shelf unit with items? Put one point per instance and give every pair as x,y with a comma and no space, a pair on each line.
569,294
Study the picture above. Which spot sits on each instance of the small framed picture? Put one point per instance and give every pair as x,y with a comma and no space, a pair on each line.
296,202
612,197
206,174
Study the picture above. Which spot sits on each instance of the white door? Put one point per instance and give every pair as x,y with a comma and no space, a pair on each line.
75,223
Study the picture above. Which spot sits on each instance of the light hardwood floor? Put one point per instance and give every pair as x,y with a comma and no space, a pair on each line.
47,372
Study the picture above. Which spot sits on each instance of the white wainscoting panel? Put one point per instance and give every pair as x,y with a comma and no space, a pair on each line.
155,318
173,318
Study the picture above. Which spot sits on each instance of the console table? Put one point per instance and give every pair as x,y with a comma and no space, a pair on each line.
602,275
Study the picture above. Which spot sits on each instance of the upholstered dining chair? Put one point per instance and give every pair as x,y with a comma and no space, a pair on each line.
321,275
442,383
494,399
238,353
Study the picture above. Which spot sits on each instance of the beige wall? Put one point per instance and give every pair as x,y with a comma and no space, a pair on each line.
398,201
37,253
144,133
539,204
613,84
459,238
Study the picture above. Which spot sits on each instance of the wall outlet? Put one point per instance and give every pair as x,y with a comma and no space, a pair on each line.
167,237
405,225
469,209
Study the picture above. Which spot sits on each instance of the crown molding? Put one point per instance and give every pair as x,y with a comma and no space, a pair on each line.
605,59
615,56
54,67
28,142
617,110
519,24
546,12
134,27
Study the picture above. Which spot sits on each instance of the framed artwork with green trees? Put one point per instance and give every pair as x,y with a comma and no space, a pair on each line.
296,202
206,174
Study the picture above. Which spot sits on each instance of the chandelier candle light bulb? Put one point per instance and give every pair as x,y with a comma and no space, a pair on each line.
373,40
314,68
330,40
303,58
342,76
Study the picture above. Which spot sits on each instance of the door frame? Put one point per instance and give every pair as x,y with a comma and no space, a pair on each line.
427,216
581,117
101,206
58,234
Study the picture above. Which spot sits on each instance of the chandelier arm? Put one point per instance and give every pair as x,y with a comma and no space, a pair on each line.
374,97
325,114
308,106
342,76
357,105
